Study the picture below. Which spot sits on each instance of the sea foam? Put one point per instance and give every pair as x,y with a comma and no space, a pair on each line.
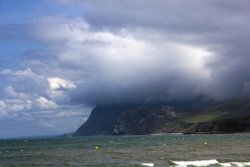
147,164
210,162
235,164
195,163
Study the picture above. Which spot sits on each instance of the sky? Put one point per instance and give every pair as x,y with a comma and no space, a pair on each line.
60,58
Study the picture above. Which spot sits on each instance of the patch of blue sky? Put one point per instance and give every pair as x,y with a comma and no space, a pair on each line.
22,11
17,11
13,12
13,51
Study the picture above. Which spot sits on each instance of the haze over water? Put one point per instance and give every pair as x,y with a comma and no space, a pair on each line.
127,151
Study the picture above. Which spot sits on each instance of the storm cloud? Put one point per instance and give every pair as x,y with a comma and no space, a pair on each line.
147,51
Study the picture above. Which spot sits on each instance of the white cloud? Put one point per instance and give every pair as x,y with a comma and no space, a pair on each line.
56,83
2,105
67,113
2,108
13,105
44,103
11,93
19,73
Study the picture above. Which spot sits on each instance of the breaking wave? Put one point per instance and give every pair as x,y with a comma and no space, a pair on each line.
209,163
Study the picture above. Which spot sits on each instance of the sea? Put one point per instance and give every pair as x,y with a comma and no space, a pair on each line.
159,150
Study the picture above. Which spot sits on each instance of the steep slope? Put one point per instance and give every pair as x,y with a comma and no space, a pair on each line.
119,119
148,120
102,120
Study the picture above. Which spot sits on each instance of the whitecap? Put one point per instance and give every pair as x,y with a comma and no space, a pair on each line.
147,164
210,162
235,164
196,163
226,164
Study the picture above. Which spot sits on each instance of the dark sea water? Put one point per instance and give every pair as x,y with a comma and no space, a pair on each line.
128,151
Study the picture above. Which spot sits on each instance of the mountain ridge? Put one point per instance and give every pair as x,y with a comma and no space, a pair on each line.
140,119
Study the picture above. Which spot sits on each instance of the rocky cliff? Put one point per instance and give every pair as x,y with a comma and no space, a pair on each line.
102,119
134,119
148,120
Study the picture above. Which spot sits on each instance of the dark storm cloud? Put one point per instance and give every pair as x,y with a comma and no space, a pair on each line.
221,27
175,15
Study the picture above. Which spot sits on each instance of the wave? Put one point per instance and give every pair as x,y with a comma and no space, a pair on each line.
147,164
236,164
210,162
195,163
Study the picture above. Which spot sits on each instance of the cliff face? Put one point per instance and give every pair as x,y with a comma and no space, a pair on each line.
102,120
119,119
148,120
